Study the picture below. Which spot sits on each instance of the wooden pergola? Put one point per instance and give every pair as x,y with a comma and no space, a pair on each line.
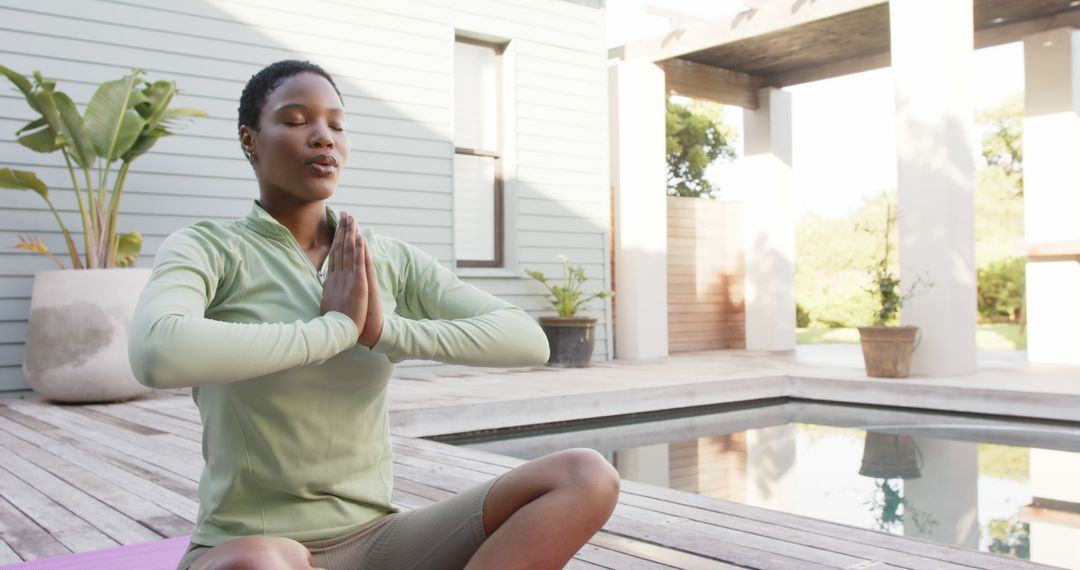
789,42
747,59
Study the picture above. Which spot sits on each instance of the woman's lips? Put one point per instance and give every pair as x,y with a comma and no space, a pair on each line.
322,164
321,169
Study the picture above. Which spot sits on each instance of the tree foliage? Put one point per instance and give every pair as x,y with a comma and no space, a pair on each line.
831,254
696,137
1003,142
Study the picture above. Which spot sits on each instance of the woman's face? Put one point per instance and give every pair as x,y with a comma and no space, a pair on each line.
301,145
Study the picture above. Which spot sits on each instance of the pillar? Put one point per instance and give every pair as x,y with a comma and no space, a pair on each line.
932,45
769,223
772,478
639,184
943,504
1051,198
647,464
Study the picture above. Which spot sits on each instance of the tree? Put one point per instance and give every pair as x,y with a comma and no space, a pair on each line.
1003,142
696,136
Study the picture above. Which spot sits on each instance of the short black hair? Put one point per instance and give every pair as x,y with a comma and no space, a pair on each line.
260,85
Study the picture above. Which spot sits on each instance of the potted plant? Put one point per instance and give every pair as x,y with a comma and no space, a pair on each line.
76,345
571,338
887,349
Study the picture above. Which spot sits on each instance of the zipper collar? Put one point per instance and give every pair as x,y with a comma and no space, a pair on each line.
264,224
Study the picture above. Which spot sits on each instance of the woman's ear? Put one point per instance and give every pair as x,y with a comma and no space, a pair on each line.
247,143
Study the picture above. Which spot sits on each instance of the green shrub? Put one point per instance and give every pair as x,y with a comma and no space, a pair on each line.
802,316
1001,290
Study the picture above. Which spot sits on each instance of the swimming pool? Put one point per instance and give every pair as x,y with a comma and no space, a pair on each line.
986,483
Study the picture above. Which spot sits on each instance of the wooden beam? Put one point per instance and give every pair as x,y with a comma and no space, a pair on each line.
1052,250
1014,32
986,37
772,17
833,69
700,81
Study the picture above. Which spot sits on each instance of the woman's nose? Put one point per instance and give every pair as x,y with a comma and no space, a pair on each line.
321,137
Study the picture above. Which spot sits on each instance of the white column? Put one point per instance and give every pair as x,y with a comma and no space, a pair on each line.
943,504
1051,195
769,223
639,181
932,44
648,464
772,475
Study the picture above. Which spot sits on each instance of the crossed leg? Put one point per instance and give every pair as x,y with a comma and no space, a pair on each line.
535,516
541,513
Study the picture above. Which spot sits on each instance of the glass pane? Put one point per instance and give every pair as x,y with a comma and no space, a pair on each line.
475,97
474,207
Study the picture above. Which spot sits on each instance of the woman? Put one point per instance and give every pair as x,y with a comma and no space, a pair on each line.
288,323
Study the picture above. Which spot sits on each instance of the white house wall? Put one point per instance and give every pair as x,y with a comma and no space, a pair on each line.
393,63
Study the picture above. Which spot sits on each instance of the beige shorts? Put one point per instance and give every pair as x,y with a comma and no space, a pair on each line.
439,536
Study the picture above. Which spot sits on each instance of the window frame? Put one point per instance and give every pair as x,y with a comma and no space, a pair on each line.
497,154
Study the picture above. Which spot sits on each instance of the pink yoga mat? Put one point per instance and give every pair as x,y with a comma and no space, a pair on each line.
157,555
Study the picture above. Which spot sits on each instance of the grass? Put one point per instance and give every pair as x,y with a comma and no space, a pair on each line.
987,336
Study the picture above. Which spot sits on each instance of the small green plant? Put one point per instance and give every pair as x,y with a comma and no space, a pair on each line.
885,284
567,299
891,509
122,121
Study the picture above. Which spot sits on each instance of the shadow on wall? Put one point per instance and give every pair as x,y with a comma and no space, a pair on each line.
936,219
395,72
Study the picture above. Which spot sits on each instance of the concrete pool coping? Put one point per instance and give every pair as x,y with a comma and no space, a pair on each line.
443,400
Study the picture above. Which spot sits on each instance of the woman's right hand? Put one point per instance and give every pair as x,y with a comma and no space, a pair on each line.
345,289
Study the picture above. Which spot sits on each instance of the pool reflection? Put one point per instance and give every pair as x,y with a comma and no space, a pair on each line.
994,485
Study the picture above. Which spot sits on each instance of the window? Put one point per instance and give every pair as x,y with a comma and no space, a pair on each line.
478,160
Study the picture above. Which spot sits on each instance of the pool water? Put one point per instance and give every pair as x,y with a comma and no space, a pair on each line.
991,484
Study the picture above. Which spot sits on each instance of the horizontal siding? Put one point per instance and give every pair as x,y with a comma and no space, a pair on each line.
393,62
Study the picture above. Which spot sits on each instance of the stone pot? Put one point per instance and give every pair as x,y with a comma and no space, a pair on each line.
77,340
571,340
887,350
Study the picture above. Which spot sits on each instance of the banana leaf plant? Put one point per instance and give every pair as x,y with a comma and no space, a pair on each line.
122,121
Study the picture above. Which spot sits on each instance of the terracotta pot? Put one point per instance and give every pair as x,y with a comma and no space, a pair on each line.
571,340
76,343
887,350
890,456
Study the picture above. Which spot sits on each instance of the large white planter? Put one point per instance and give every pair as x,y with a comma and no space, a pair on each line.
76,345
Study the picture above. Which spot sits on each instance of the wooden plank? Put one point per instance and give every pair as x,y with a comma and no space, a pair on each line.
182,504
72,531
1065,250
137,508
97,513
770,17
669,558
149,420
699,81
180,456
25,537
7,555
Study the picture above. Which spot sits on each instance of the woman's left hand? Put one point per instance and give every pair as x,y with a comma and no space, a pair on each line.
374,323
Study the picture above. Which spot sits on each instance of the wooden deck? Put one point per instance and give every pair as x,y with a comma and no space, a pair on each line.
78,478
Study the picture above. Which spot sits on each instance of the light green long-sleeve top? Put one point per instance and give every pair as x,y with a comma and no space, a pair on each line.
295,426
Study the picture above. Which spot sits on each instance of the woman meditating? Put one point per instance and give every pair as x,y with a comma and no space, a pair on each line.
288,323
